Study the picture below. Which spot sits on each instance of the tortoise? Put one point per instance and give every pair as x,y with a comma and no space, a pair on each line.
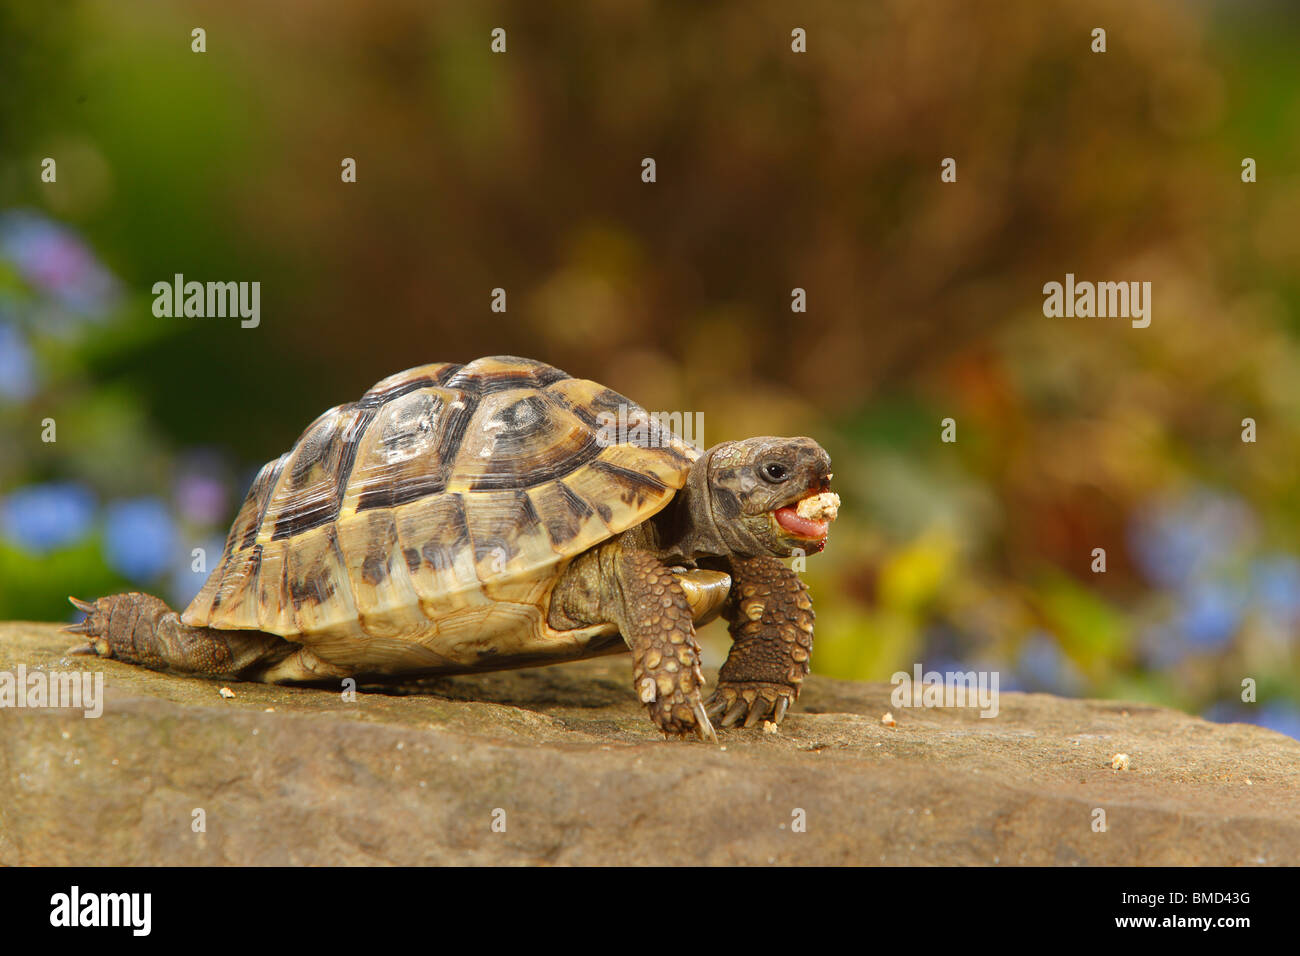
479,517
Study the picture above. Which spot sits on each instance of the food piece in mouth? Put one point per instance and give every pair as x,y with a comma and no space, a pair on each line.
822,507
812,516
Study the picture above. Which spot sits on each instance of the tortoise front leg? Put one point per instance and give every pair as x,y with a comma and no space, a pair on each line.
770,617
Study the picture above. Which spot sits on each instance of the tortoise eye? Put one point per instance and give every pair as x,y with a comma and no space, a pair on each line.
775,471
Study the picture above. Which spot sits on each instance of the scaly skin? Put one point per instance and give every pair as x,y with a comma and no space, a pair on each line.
656,621
770,617
724,518
622,583
141,629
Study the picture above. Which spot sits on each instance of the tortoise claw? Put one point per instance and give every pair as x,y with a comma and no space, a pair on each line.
703,727
84,626
748,704
98,647
734,713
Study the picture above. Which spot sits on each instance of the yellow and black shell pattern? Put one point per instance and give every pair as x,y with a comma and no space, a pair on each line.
423,527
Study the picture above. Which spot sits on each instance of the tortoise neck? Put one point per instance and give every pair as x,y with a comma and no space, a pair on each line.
686,529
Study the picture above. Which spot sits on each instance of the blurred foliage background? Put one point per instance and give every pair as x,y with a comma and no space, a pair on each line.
776,170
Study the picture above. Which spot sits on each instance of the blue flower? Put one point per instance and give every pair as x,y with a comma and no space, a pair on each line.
1222,712
1276,584
139,538
1042,666
1176,542
186,581
1283,718
41,518
17,371
201,498
52,258
1162,646
1210,615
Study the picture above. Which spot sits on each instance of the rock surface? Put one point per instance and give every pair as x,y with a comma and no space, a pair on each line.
583,778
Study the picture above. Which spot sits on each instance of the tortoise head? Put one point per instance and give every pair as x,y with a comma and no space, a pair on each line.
752,491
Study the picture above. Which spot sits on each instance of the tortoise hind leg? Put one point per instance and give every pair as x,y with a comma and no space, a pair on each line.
141,629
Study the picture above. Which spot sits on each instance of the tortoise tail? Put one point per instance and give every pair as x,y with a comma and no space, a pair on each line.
83,626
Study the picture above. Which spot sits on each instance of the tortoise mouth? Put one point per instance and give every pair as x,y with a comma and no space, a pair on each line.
790,521
807,519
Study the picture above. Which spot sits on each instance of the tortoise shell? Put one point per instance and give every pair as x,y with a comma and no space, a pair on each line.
423,527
